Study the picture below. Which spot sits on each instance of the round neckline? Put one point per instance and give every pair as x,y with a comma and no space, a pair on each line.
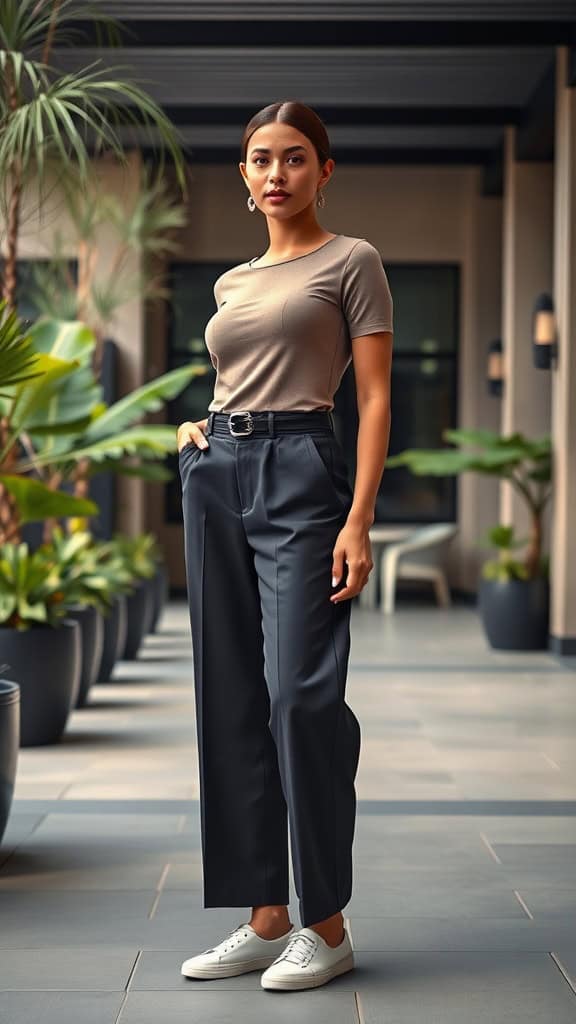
290,259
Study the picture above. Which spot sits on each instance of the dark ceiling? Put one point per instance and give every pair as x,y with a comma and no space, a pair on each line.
410,81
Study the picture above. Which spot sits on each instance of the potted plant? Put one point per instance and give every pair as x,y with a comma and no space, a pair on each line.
136,552
112,565
514,604
9,744
89,597
159,585
513,594
40,646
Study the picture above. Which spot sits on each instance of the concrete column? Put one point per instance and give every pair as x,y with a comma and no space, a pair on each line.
127,329
563,550
480,304
527,246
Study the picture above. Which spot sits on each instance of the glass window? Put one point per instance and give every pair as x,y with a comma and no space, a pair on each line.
423,391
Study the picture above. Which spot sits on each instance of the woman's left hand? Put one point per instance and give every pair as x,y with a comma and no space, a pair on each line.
353,547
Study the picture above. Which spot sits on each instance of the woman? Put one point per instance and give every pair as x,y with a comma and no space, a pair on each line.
276,545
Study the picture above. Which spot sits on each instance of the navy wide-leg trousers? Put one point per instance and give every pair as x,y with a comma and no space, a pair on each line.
278,745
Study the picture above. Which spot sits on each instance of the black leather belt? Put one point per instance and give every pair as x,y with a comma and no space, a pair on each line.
243,423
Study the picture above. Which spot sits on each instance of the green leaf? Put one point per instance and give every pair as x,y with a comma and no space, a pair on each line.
154,472
149,397
147,441
36,502
19,362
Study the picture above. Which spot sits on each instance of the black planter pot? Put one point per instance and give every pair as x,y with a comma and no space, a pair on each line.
46,662
9,744
139,607
92,629
115,624
515,613
160,586
151,587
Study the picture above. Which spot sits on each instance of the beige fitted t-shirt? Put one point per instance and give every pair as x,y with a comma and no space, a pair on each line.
280,338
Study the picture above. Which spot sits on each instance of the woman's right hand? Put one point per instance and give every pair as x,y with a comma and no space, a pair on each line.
189,432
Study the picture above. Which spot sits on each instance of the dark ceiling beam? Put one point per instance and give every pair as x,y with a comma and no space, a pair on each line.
378,115
535,131
381,10
344,155
320,32
572,67
212,77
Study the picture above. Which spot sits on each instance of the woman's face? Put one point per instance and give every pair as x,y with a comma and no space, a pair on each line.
279,156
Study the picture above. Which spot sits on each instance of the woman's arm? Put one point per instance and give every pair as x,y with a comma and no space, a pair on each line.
372,359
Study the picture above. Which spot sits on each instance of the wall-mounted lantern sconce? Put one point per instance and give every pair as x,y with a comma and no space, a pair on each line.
544,341
495,375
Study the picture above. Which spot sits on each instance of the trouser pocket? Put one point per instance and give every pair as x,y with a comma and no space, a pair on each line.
330,465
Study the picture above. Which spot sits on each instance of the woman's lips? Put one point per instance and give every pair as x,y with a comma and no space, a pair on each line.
277,199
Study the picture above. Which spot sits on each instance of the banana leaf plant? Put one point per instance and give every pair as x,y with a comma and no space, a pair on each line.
61,429
525,463
25,375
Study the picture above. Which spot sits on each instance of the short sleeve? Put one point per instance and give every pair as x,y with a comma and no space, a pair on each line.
366,298
218,293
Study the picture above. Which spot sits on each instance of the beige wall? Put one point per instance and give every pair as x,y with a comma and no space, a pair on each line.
408,213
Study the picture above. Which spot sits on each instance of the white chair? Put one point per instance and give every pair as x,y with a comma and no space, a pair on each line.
419,556
380,534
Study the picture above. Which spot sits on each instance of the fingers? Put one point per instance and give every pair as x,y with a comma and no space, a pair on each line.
337,567
358,573
191,433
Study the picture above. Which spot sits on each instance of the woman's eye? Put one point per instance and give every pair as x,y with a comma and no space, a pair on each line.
298,158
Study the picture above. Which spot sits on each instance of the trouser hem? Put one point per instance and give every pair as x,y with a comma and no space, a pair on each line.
251,900
312,915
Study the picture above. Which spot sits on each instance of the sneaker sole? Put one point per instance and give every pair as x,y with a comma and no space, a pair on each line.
346,964
229,970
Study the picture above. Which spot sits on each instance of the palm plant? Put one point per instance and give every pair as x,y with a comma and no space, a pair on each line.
527,466
57,422
54,120
145,230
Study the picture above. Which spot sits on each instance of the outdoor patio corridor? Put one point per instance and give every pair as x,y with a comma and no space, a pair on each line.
464,904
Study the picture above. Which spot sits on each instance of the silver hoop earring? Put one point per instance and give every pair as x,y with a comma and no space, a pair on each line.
251,202
320,198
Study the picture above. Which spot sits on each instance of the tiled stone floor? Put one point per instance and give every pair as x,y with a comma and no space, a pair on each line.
464,903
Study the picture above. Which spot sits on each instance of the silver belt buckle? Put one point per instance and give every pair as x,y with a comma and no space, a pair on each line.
246,419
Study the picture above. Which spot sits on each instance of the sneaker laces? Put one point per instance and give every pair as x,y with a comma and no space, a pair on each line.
299,949
232,939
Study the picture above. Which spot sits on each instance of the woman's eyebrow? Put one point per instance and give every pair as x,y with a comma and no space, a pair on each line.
289,149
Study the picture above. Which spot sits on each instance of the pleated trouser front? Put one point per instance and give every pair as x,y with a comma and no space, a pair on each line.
277,742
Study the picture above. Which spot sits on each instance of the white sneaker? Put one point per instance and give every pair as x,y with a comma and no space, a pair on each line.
241,951
308,961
